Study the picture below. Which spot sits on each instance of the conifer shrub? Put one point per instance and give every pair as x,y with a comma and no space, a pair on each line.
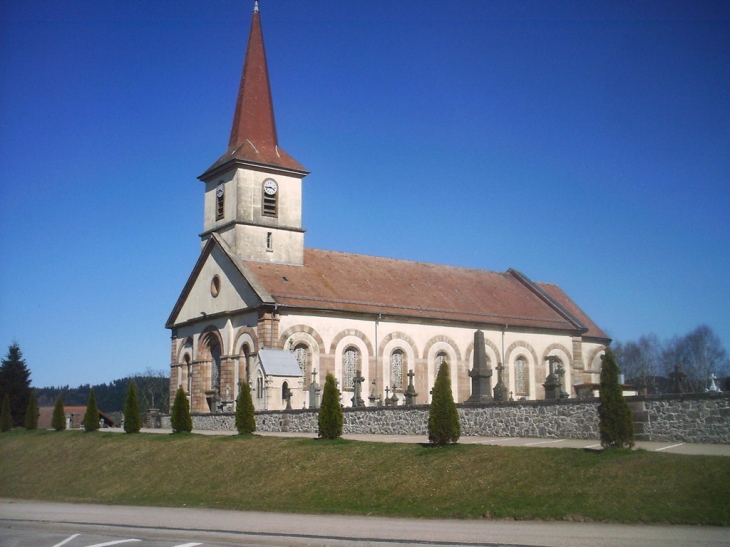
132,417
330,412
31,415
245,418
91,417
443,417
58,421
615,419
181,420
6,420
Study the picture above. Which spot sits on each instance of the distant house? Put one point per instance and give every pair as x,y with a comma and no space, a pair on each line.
74,417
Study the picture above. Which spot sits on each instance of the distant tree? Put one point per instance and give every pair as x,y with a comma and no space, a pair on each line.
443,417
31,414
91,417
640,362
330,417
58,422
15,382
6,421
132,416
245,414
180,419
615,419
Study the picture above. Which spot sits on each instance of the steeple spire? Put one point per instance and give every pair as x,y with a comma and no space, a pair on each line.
253,134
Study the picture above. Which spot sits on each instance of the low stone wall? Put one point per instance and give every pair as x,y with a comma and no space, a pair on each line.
695,418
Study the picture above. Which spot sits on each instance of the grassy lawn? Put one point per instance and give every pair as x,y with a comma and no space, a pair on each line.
350,477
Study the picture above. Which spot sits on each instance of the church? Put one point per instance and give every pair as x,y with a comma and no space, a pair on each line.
260,307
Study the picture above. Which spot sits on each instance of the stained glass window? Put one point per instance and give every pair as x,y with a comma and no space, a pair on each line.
396,369
520,376
349,368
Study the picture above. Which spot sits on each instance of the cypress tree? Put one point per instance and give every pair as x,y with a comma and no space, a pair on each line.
330,412
91,417
58,422
180,419
443,417
245,419
615,419
31,415
132,417
6,421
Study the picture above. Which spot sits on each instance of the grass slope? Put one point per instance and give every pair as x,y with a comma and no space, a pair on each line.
348,477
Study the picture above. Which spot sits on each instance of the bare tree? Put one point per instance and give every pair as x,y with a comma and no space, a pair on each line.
640,361
699,353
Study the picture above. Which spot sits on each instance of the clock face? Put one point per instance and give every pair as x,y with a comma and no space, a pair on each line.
270,187
219,190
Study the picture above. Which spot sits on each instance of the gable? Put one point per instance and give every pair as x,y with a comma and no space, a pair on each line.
218,284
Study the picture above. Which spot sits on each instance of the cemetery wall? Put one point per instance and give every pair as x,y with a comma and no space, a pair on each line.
694,418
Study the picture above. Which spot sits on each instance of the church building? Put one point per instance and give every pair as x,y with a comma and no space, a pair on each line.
261,307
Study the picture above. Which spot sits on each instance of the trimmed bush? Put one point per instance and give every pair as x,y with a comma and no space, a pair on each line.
615,419
6,421
58,421
330,416
443,418
31,415
91,417
132,417
180,418
245,419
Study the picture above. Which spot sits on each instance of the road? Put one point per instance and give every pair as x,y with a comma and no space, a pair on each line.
41,524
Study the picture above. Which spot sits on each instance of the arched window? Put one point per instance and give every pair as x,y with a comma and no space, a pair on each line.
396,369
302,355
351,360
441,358
259,387
284,391
521,385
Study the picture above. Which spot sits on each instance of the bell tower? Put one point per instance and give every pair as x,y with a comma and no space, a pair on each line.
253,192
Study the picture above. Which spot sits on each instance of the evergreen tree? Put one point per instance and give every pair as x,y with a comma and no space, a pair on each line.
245,420
180,419
15,382
132,417
330,412
31,415
6,421
91,418
58,422
443,417
615,419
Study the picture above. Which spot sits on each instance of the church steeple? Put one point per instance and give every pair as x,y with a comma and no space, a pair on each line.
253,193
253,134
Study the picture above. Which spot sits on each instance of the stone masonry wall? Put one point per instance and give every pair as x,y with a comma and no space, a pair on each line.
694,418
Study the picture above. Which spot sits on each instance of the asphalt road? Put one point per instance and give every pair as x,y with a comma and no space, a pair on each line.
40,524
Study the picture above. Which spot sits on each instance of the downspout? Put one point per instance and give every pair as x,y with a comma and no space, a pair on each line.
377,319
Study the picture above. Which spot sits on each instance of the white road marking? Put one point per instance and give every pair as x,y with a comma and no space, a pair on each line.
545,442
593,446
668,447
188,545
66,540
113,542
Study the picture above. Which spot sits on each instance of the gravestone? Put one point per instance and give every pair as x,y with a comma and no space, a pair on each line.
357,383
314,391
411,390
500,390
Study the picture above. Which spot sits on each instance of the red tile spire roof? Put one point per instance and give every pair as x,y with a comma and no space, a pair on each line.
253,135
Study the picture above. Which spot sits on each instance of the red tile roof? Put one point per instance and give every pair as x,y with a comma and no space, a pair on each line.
349,282
253,134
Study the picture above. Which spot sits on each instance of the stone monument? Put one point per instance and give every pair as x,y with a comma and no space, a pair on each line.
410,390
480,373
356,384
314,391
500,390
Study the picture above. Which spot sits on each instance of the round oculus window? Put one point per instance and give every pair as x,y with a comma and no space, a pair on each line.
215,286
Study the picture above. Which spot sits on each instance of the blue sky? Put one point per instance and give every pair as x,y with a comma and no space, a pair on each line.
583,143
